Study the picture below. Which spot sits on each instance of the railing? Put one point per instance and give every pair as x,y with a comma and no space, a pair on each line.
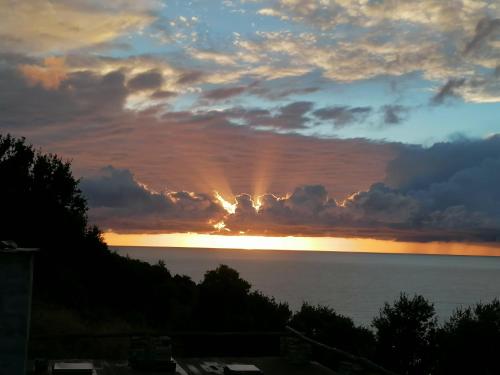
331,357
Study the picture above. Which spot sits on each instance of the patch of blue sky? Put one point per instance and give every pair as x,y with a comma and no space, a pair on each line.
143,44
219,19
184,102
375,92
429,124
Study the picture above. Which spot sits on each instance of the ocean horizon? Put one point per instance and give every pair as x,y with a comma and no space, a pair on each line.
353,284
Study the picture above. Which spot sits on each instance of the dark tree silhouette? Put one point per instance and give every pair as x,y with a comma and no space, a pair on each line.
325,325
226,303
40,200
469,342
405,333
222,299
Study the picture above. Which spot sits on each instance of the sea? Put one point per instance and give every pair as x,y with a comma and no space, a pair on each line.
353,284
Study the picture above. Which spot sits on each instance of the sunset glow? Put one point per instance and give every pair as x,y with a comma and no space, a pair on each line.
209,167
298,243
296,120
229,207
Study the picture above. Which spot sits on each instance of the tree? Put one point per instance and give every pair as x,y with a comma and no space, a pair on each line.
469,341
267,314
405,333
41,204
325,325
222,299
227,304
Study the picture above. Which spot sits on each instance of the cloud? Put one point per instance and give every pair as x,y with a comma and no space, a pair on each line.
369,54
93,118
447,192
77,89
205,152
343,115
162,94
276,93
394,114
345,41
417,168
214,56
80,96
486,28
118,201
293,115
454,185
449,89
484,88
428,196
47,26
435,14
89,119
190,77
271,12
273,91
49,75
146,81
224,93
439,39
290,116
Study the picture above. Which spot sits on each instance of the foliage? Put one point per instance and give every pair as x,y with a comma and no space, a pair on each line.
226,303
41,203
325,325
405,333
266,313
469,342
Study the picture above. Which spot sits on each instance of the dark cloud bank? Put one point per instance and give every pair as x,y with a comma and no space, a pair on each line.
448,192
119,202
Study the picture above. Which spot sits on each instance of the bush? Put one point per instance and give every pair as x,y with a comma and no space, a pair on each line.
325,325
42,205
469,342
405,333
227,304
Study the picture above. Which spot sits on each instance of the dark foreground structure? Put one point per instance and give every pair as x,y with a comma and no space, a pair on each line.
16,273
183,353
200,353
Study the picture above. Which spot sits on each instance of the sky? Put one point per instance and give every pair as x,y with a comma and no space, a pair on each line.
357,119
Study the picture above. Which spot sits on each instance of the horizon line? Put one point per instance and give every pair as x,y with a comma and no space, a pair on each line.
291,243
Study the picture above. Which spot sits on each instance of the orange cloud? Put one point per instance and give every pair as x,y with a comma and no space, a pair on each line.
49,75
